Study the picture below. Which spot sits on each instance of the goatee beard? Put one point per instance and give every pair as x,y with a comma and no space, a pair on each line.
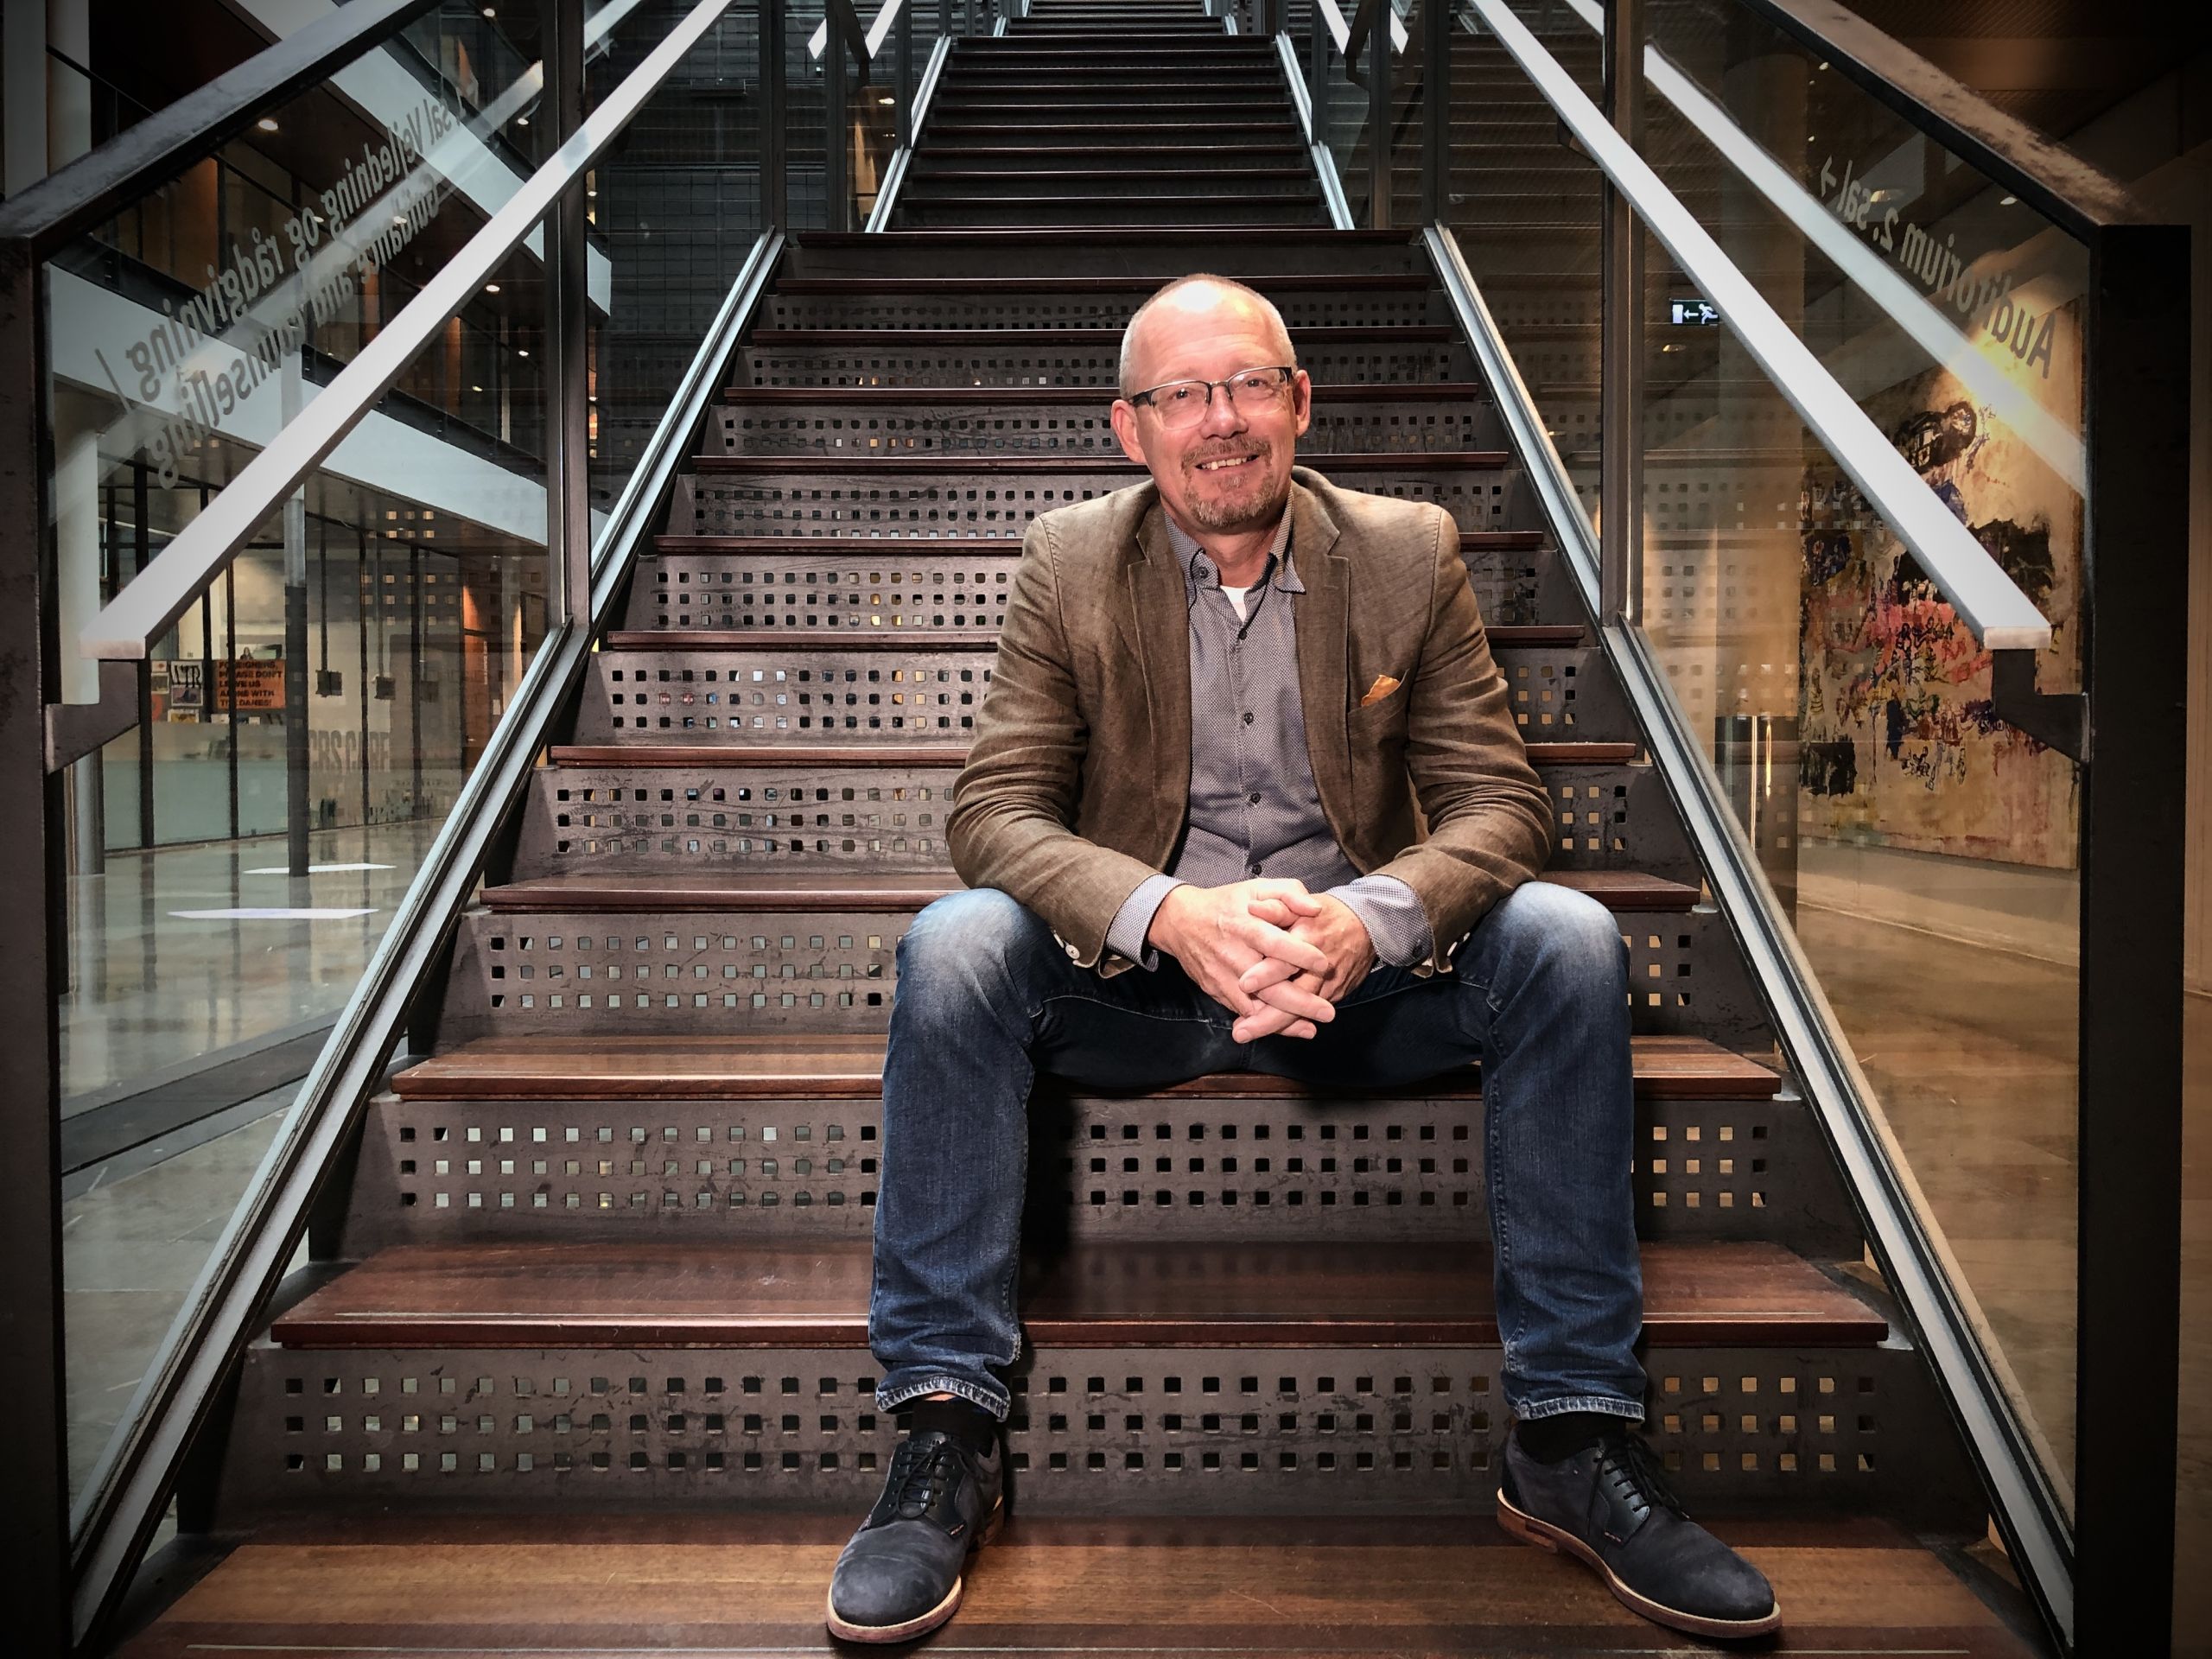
1230,517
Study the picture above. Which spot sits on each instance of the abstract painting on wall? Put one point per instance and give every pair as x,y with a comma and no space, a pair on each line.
1901,747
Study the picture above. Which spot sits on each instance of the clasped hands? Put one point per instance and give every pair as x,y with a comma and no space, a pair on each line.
1272,954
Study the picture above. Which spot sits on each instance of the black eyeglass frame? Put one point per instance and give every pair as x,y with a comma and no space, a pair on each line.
1144,399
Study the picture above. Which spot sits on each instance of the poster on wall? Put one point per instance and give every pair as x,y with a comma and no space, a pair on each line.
1901,746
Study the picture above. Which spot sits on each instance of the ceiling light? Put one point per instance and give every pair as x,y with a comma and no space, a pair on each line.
491,11
1824,65
887,101
267,124
491,287
2008,202
522,351
522,120
476,388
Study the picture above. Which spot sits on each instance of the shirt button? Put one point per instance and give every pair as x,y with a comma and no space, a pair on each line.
1248,716
1256,798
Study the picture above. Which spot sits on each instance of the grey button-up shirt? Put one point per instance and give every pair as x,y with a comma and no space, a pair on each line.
1254,808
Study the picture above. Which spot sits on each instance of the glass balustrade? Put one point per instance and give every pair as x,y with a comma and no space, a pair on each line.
342,673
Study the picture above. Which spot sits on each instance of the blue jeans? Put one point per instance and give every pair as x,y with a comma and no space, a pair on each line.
986,998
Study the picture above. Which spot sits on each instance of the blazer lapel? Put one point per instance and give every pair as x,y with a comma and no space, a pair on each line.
1324,628
1159,631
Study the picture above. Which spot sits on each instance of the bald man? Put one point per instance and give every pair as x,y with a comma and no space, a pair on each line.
1188,830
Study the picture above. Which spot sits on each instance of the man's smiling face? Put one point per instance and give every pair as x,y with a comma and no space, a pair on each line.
1227,474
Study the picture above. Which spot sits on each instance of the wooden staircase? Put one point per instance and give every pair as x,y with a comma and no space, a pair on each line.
583,1360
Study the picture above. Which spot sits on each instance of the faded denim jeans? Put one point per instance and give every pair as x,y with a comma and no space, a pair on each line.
987,997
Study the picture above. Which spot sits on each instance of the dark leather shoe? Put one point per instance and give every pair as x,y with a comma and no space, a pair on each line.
900,1576
1609,1507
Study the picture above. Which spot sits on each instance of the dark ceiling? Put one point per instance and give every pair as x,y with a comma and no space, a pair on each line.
2054,64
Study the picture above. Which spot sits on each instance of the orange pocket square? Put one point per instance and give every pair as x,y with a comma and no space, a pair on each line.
1383,686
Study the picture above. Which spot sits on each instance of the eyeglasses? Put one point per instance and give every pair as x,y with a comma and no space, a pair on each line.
1185,402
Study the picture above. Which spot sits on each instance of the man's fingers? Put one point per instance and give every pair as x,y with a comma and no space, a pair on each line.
1269,1022
1268,970
1299,996
1302,954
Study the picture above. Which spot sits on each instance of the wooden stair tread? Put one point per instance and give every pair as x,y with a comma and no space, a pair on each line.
1437,391
720,1292
738,1578
1305,283
1470,540
888,754
1507,635
740,889
1176,236
1354,335
937,462
849,1066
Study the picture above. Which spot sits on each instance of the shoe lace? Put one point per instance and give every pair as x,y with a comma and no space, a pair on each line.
1632,1471
921,1468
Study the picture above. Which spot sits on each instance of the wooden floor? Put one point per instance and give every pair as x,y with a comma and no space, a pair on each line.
607,1585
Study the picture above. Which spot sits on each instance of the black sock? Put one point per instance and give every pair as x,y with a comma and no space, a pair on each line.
1549,1440
968,1425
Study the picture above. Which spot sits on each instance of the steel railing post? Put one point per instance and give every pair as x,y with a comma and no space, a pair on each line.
34,1515
2135,669
775,191
1436,110
837,139
568,323
904,32
1620,346
1378,117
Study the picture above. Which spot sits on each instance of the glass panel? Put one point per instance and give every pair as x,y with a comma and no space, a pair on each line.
395,604
1526,210
1927,852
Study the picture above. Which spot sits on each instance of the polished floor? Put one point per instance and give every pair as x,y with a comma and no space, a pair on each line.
1978,1092
161,979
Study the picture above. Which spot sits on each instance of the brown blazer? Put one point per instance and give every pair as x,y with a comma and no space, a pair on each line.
1078,781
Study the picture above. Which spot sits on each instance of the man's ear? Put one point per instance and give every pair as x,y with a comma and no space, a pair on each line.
1302,399
1124,415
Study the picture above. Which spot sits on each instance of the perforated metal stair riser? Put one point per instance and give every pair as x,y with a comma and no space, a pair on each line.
605,1243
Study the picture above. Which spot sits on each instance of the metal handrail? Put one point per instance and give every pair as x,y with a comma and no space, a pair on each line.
1993,607
53,212
126,627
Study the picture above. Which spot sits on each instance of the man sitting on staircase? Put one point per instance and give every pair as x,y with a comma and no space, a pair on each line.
1188,826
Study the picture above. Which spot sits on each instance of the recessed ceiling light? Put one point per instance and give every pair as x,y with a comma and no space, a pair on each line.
476,388
2008,202
522,351
522,120
491,287
887,100
491,11
267,124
